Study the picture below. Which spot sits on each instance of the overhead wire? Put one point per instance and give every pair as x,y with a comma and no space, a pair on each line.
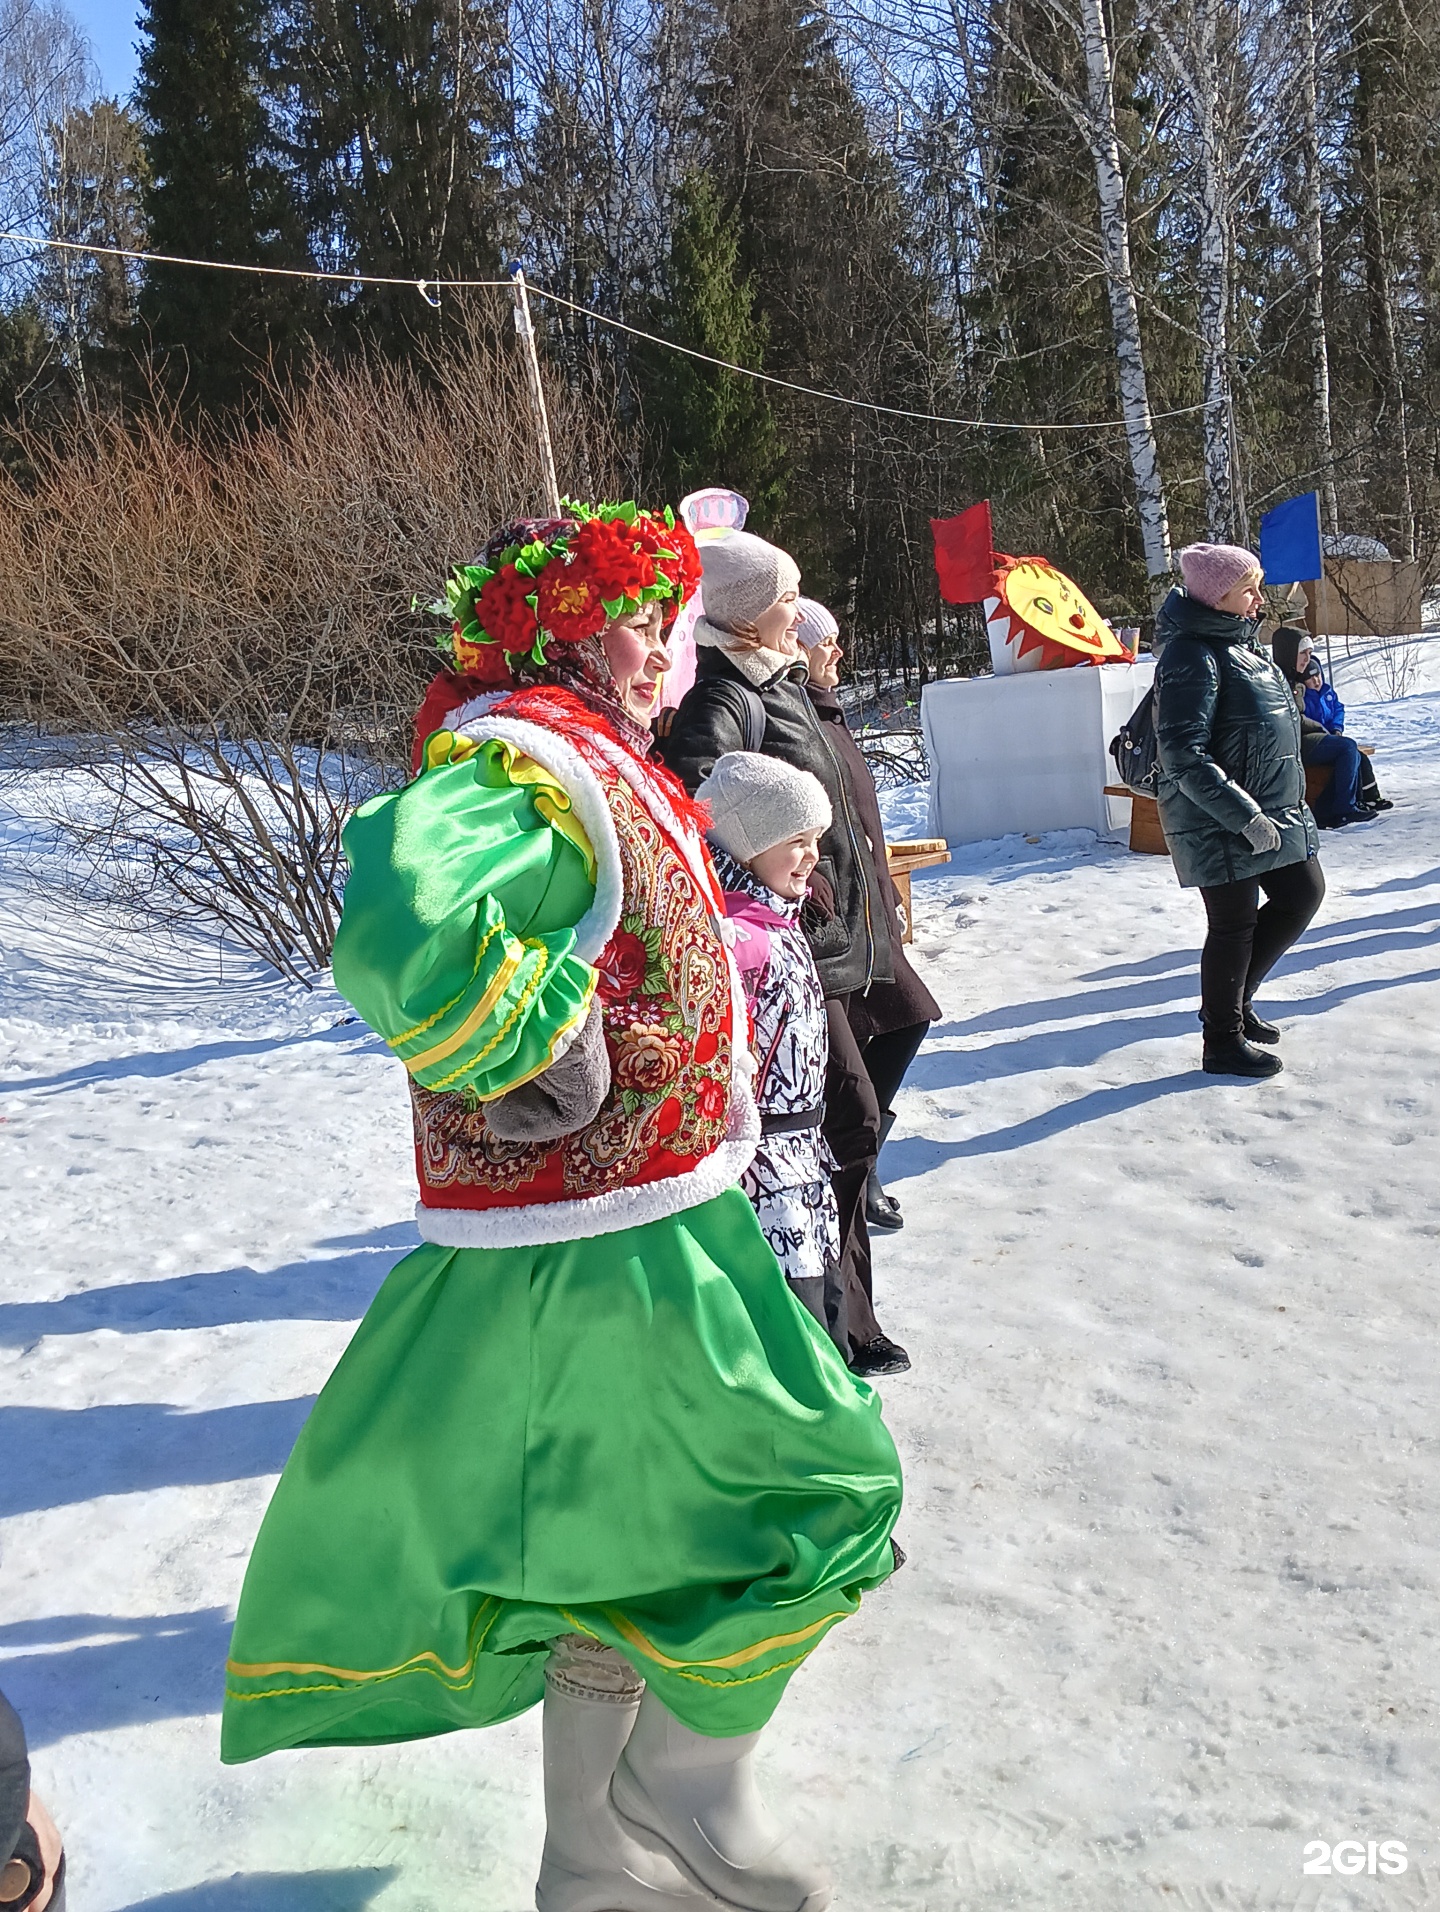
428,287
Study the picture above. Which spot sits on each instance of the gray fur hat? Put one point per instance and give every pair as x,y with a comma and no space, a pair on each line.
756,802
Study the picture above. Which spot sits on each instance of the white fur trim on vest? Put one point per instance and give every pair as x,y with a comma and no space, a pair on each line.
480,706
584,790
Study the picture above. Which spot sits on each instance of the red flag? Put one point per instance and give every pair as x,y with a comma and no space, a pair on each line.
965,554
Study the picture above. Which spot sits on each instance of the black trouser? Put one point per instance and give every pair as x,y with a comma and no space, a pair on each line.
1245,942
852,1128
888,1057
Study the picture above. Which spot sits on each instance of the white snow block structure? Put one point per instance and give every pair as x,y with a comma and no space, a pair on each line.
1028,751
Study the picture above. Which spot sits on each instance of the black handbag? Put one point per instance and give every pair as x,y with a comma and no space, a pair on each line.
1134,748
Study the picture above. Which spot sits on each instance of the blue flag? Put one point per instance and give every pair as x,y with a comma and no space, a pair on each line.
1290,541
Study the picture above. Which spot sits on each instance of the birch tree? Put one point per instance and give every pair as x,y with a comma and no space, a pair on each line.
1103,139
1189,39
1093,114
1313,242
45,74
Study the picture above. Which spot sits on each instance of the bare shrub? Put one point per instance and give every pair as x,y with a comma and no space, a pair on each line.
1392,666
229,625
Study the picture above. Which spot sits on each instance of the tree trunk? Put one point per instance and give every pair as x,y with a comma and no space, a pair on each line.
1213,274
1391,408
1120,283
1313,229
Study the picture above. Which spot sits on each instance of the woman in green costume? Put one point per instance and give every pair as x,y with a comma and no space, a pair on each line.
584,1446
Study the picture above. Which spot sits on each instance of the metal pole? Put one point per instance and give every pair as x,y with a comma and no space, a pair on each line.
1325,614
525,330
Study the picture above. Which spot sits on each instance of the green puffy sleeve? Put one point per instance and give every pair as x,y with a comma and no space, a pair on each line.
457,942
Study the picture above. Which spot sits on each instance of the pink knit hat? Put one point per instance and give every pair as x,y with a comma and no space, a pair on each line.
1212,570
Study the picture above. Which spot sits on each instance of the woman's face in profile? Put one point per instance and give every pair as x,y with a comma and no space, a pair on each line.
1243,600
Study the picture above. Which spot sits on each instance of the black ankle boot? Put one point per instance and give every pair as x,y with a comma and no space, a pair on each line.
882,1210
880,1356
1233,1055
1256,1029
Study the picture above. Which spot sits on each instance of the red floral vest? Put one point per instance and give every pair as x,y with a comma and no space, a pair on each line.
669,1000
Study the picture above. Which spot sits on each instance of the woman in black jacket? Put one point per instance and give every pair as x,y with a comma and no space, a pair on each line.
890,1020
749,694
1232,796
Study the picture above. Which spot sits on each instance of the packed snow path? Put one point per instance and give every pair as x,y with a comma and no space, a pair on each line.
1170,1438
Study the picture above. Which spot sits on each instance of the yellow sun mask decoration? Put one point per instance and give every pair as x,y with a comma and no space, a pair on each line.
1039,619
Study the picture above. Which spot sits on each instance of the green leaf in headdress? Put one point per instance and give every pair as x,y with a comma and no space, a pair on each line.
532,558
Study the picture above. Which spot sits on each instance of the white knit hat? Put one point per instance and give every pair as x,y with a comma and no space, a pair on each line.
817,625
743,577
756,802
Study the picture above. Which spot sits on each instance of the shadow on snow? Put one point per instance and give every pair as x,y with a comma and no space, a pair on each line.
156,1064
56,1456
327,1288
88,1673
1172,974
348,1891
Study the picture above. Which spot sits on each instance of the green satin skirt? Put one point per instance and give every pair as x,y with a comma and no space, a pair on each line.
642,1437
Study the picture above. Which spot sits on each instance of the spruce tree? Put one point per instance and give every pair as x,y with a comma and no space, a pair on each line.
822,238
214,191
394,114
712,426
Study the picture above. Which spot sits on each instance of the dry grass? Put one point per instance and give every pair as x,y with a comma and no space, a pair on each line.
230,625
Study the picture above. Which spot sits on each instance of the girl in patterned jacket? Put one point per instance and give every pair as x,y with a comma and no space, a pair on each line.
767,819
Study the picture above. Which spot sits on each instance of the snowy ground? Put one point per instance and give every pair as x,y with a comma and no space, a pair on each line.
1170,1437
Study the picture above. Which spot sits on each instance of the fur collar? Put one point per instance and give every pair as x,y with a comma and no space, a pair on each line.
758,667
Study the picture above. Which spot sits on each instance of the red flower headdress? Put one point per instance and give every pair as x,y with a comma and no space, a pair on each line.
599,563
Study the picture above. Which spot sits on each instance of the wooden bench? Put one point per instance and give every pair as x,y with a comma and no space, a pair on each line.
1146,836
1318,775
904,859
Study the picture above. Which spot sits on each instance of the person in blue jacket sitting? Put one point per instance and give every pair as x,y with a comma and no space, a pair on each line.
1323,706
1350,796
1322,701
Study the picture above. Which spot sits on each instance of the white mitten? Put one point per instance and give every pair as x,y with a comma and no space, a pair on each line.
1261,834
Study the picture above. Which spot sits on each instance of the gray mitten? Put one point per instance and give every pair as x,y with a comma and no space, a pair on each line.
563,1097
1261,834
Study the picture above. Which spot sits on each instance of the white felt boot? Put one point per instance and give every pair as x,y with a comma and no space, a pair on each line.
592,1862
699,1796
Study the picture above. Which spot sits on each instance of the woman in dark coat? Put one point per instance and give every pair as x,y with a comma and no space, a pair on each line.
889,1020
1232,796
749,694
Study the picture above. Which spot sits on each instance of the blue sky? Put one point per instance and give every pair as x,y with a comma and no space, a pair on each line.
112,30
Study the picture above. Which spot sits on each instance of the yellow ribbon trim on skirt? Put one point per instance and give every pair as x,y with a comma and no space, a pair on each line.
268,1669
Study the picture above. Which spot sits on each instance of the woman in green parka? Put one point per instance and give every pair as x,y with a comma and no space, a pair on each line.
1232,796
585,1445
